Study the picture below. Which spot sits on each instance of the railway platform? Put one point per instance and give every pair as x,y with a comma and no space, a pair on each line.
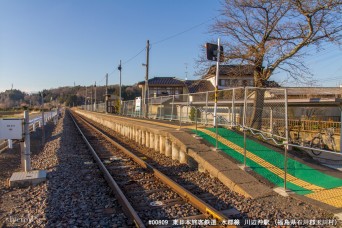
309,182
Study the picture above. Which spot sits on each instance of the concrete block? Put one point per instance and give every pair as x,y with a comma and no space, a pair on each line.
243,183
156,142
175,151
162,140
147,137
23,179
183,157
151,140
168,148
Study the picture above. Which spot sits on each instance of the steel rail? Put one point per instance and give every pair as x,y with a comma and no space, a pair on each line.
185,194
128,209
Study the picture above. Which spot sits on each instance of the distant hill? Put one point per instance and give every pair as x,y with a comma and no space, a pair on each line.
68,96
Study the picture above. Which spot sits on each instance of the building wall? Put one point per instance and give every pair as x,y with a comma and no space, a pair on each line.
319,113
232,81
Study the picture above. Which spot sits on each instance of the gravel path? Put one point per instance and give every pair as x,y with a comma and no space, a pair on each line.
75,194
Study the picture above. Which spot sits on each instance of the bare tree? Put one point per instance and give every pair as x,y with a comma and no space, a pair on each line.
275,34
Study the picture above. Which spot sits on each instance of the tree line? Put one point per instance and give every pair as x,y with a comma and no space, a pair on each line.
15,99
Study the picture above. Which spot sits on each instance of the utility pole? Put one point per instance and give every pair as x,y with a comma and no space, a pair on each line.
86,96
106,96
91,97
146,77
120,68
43,120
95,98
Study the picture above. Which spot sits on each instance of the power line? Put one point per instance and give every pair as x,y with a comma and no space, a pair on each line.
127,61
184,31
130,59
165,39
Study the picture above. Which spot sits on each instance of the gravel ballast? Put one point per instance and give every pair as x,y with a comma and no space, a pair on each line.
74,195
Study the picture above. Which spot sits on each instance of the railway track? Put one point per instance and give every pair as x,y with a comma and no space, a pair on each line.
147,196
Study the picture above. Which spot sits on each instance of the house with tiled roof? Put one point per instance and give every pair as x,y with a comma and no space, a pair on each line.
231,76
196,86
163,86
324,101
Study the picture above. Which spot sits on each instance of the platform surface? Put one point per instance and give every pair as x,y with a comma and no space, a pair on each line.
314,183
302,179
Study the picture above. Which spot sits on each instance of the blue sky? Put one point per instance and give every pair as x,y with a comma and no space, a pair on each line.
46,44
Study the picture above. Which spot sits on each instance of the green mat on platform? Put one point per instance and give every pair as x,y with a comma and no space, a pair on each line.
295,168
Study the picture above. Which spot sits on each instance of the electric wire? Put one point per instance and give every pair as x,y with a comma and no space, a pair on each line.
165,39
184,31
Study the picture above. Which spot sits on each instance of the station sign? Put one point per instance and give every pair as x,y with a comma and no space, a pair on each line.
138,104
11,128
212,50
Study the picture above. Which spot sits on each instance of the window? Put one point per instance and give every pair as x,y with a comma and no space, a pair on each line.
234,82
165,91
224,82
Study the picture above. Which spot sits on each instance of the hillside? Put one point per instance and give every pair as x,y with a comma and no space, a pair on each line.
68,96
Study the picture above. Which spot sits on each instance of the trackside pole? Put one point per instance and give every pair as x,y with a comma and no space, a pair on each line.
196,121
216,79
244,128
180,117
173,101
27,153
341,130
22,154
10,143
27,176
216,133
206,109
216,88
34,126
233,109
43,130
286,145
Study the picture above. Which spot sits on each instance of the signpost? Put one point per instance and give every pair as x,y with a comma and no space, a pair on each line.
212,52
137,104
19,129
215,53
11,129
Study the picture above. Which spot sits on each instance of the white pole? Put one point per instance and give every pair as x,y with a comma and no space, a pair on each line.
10,143
43,128
27,153
286,146
341,129
34,126
22,154
216,79
173,101
233,108
120,68
95,108
244,128
206,108
271,120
